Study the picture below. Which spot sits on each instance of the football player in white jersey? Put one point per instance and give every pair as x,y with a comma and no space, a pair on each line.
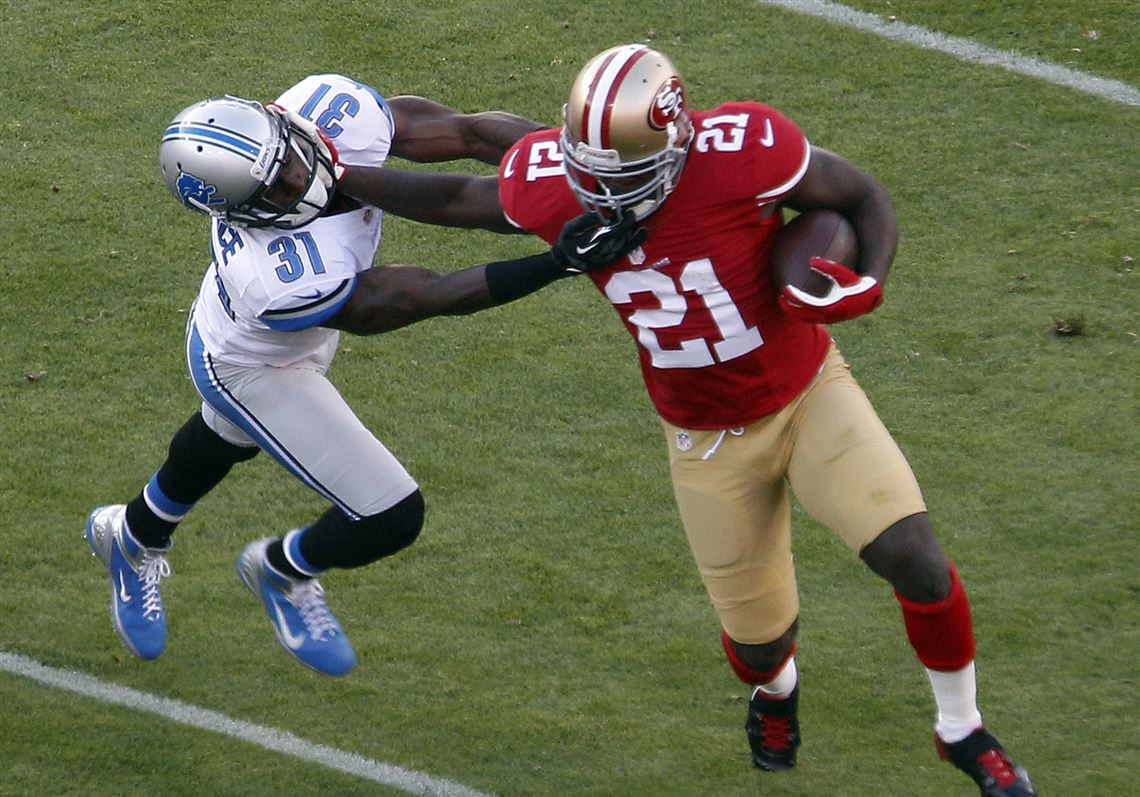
292,267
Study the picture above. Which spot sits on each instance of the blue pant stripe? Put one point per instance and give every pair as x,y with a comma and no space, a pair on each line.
215,394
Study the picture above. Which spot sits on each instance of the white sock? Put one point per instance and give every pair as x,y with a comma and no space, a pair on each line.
956,695
782,685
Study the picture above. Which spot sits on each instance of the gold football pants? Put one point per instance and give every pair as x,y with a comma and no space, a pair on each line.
732,488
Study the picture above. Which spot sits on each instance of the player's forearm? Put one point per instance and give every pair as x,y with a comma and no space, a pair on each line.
420,196
390,297
876,227
452,200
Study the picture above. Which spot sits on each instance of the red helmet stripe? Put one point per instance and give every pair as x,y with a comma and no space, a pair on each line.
603,91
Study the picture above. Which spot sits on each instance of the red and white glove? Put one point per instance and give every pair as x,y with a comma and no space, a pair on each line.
848,296
324,143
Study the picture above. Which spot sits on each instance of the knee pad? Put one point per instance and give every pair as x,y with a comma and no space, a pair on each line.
336,541
746,671
396,527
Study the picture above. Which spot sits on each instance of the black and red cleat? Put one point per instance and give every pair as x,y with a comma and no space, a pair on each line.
773,730
981,757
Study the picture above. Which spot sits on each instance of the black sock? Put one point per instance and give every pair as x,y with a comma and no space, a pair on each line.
197,460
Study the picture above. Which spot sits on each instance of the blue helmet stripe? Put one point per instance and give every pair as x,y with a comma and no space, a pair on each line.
235,142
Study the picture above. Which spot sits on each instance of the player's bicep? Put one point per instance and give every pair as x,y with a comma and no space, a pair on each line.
425,130
429,132
830,182
480,200
377,302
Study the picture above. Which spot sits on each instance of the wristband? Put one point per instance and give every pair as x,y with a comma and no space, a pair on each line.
508,280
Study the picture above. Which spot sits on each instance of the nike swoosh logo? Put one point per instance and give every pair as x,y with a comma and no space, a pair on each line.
313,295
593,240
291,640
509,170
769,138
124,596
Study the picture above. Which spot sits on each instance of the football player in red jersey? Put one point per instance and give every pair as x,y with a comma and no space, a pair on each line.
755,398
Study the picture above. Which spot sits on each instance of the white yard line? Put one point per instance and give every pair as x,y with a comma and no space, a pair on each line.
406,780
963,49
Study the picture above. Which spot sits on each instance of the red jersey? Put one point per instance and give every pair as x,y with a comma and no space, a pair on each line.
716,351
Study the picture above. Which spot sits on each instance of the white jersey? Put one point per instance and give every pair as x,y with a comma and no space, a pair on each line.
268,290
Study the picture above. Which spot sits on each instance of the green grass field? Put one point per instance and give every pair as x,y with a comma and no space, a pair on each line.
548,634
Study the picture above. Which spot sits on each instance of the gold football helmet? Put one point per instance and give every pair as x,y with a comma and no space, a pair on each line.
626,131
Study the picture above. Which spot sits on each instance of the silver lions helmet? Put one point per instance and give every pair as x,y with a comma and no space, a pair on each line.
223,156
626,131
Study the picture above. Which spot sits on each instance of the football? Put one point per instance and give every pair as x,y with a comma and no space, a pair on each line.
816,233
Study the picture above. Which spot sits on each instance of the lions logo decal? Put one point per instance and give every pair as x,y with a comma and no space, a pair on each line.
668,105
195,193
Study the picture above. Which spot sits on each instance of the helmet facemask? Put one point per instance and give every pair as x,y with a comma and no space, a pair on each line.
260,209
605,184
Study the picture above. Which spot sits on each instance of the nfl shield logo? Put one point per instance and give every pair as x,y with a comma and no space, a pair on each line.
684,442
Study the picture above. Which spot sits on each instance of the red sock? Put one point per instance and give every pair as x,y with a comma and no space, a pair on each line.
941,633
747,674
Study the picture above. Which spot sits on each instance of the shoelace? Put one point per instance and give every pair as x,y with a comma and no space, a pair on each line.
998,767
152,569
775,732
307,597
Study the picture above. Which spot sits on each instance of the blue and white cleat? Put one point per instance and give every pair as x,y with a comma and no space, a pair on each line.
135,570
305,625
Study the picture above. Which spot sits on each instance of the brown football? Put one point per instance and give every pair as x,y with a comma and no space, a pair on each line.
816,233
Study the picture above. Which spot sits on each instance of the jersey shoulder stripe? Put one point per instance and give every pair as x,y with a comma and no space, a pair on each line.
314,311
785,187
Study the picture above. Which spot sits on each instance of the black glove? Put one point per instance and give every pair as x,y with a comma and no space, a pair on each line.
588,242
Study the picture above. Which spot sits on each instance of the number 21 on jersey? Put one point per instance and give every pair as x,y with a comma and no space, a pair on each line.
736,338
